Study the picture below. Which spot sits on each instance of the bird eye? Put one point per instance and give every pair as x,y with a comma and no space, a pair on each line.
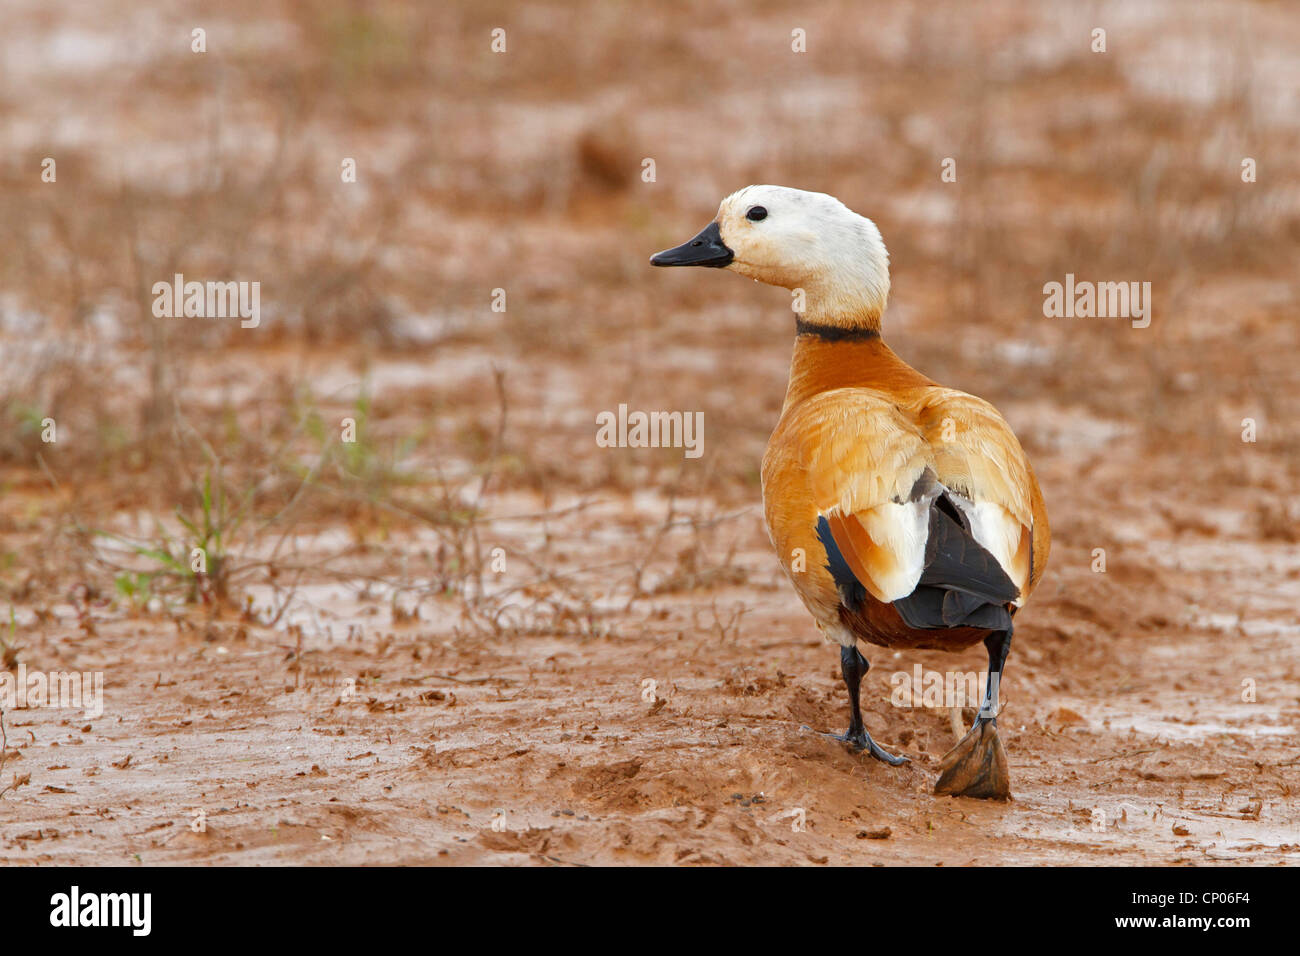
756,214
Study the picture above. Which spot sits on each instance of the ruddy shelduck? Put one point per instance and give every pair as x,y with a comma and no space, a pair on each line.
906,514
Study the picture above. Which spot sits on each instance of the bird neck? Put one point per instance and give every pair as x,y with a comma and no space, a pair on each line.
833,356
831,332
850,301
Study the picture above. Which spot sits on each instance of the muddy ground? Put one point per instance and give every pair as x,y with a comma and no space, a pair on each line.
475,637
1132,709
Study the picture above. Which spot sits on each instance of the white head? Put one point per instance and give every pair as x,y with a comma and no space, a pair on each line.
797,240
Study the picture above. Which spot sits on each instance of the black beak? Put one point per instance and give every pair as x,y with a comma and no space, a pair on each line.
706,249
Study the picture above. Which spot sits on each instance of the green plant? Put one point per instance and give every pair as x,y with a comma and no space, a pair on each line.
199,560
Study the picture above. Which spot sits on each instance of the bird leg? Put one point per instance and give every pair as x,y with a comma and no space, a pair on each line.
956,723
977,765
854,667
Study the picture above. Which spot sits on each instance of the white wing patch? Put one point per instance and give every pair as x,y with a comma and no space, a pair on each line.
900,530
891,568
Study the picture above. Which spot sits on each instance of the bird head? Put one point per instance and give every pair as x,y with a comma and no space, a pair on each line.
800,241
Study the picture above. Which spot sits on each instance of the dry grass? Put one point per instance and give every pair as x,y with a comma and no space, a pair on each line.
480,172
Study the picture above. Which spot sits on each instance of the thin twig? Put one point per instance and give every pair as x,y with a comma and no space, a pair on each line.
1127,753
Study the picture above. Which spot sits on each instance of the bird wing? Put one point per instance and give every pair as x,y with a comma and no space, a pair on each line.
977,456
863,457
876,465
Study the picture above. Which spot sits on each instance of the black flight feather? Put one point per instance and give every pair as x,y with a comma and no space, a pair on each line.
962,584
